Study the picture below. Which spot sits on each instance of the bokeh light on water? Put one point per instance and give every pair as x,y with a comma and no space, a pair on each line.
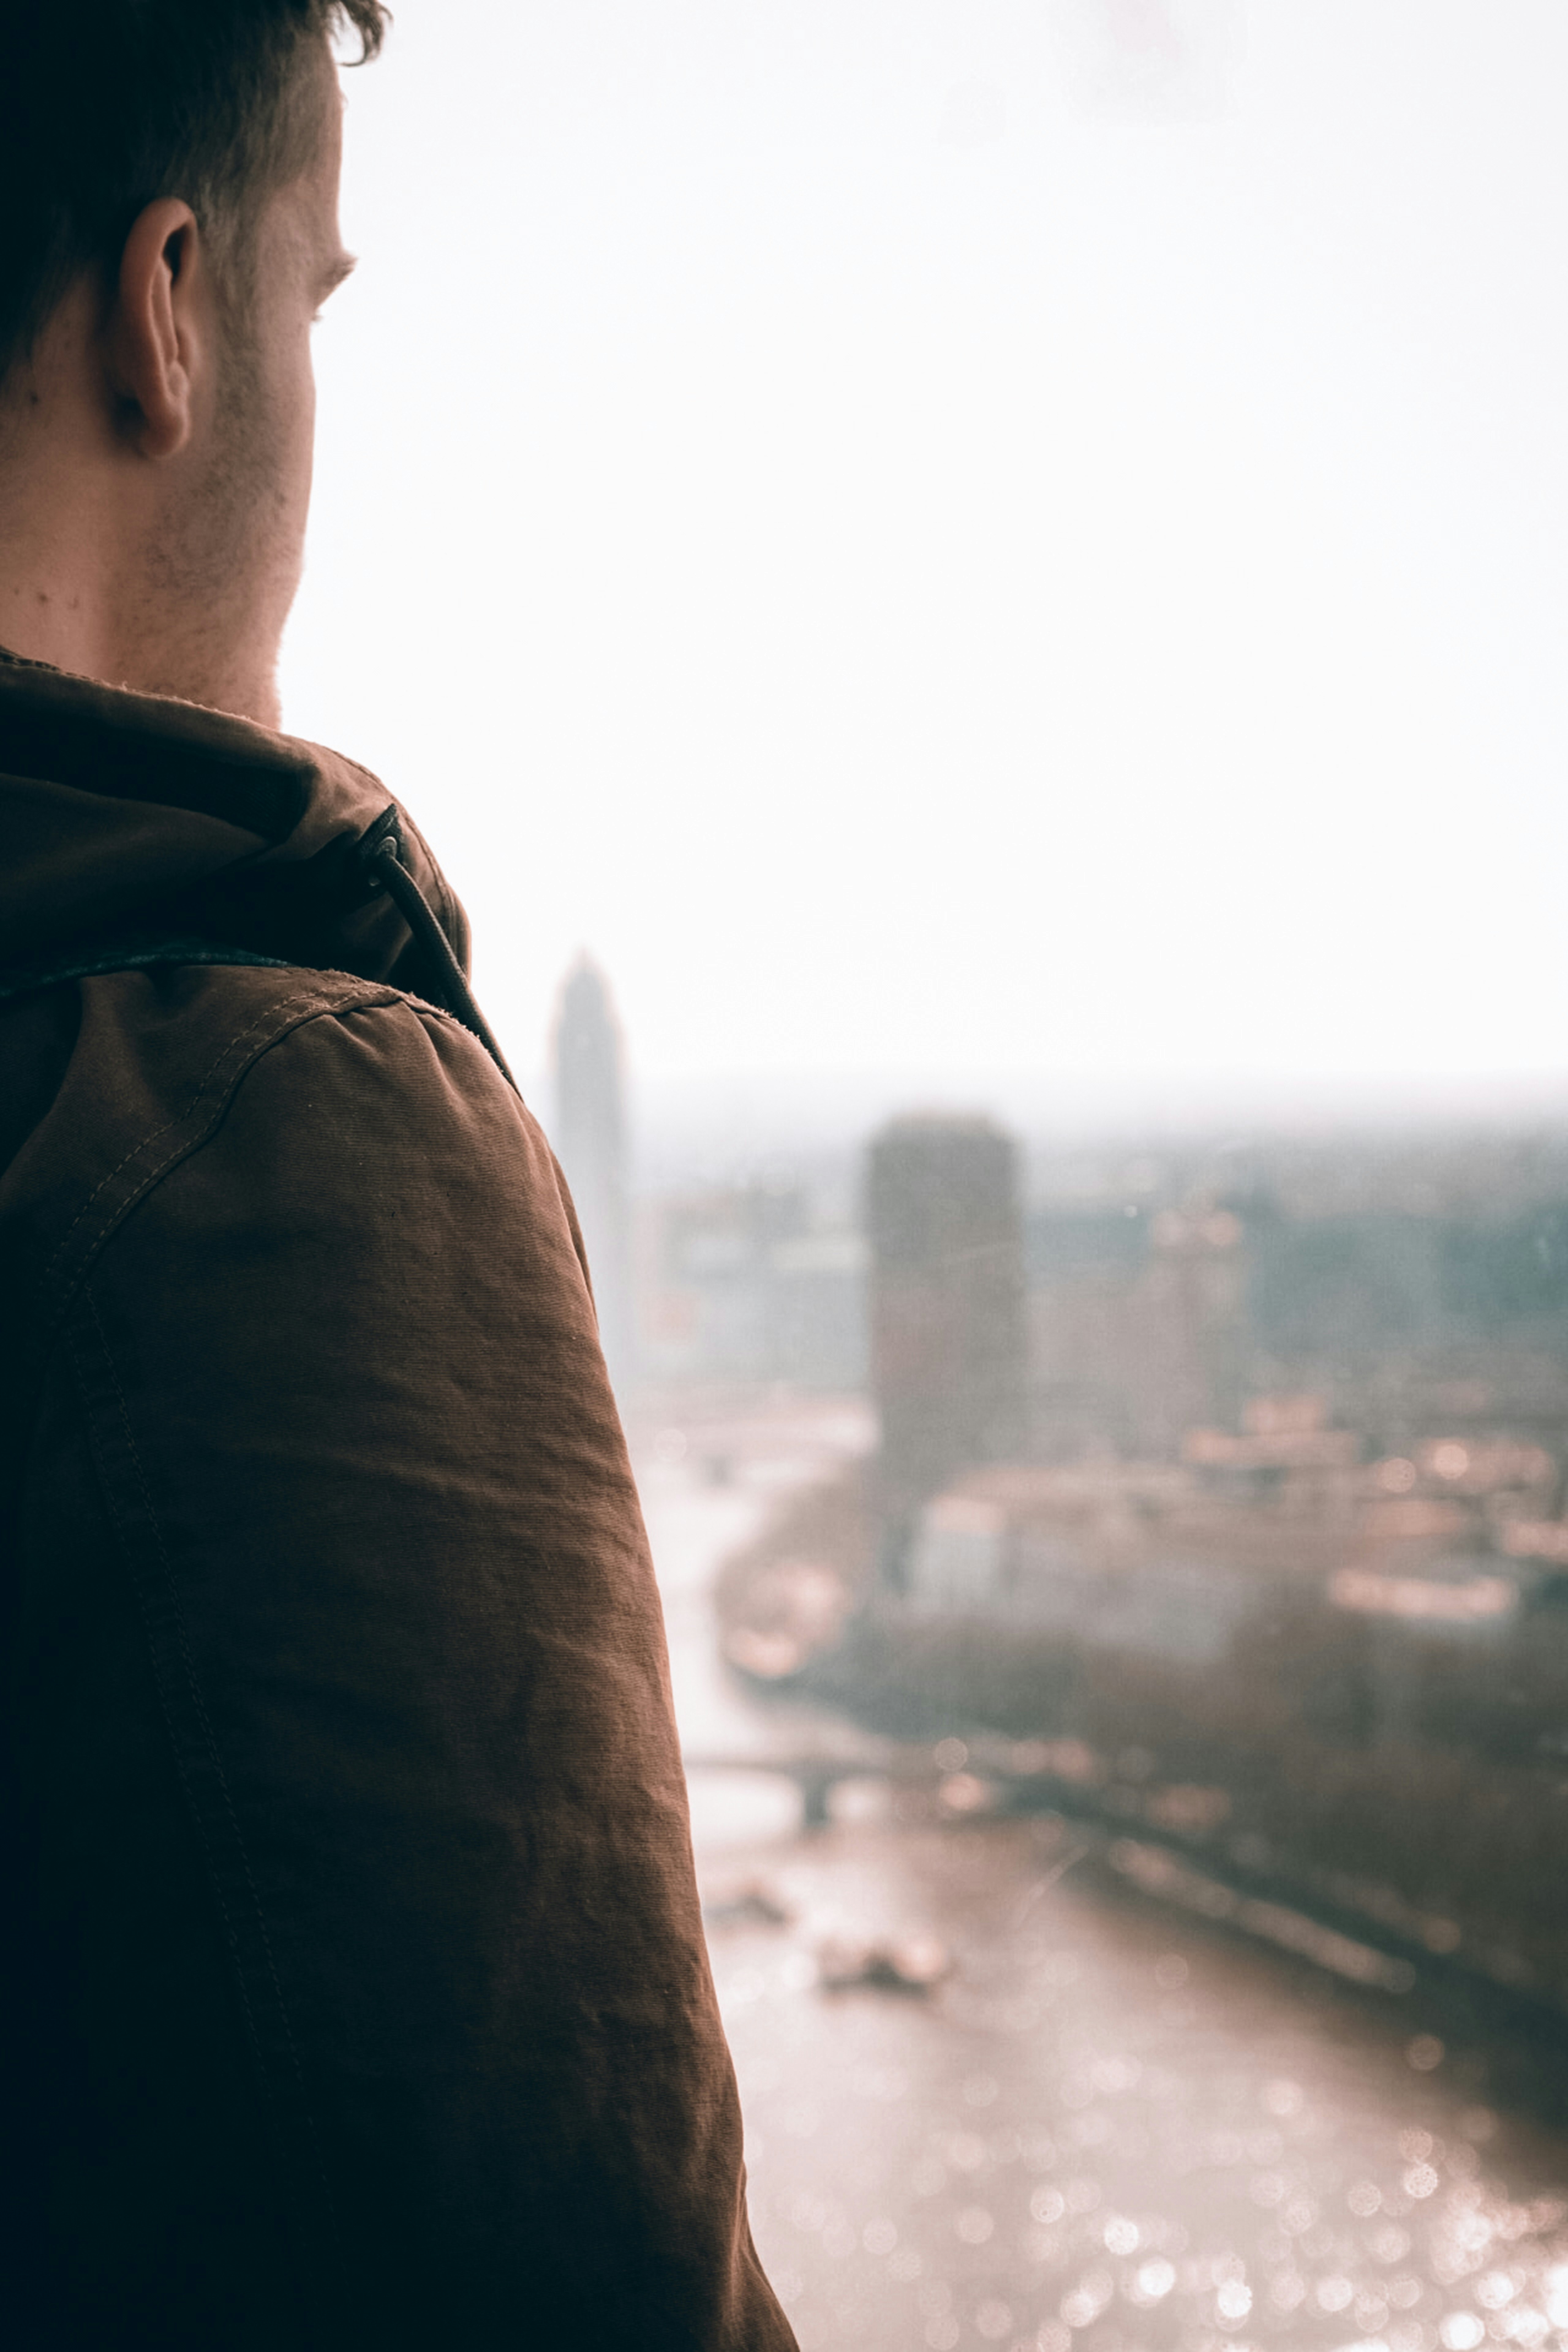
1093,2119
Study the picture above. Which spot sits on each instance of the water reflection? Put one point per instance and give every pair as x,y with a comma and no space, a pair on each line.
1099,2117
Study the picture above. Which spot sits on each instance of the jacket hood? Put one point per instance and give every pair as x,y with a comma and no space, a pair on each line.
128,814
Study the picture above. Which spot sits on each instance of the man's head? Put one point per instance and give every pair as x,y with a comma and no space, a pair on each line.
169,193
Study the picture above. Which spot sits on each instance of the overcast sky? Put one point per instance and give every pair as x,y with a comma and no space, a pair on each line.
1017,535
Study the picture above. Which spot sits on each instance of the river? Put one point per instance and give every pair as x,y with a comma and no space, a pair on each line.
1105,2124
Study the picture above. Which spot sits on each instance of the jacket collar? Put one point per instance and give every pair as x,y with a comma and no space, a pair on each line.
124,811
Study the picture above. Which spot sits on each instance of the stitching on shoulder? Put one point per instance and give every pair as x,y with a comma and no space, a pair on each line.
280,1006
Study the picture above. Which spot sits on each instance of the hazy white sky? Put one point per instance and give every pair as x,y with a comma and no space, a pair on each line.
1026,535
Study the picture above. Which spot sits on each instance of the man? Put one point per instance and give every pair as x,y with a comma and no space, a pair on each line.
356,1990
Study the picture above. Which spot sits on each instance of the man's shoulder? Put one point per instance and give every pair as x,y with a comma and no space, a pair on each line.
332,1065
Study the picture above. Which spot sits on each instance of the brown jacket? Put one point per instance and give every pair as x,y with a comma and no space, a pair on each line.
356,1990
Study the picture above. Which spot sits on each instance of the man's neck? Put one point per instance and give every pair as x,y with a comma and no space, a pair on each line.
86,578
49,610
80,616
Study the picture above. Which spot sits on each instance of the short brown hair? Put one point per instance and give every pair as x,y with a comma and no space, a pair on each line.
106,104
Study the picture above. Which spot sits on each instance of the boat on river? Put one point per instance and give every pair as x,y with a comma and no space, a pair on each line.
1340,1683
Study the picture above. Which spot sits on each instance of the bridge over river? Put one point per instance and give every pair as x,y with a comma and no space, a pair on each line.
1002,2086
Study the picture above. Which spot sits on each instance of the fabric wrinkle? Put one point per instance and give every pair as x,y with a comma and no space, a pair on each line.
364,1980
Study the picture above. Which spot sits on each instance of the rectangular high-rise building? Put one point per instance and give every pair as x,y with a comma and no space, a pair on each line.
948,1350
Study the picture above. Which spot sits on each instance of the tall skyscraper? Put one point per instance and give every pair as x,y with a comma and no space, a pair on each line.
947,1300
590,1140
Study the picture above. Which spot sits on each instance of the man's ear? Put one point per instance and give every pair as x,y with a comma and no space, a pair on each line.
157,335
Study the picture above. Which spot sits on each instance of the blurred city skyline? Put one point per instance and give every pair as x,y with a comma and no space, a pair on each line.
969,538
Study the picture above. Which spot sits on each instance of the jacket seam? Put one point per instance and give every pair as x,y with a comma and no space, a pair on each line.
108,1485
378,995
284,1006
204,1720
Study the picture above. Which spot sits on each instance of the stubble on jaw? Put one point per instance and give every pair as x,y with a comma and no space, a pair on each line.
221,569
223,565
